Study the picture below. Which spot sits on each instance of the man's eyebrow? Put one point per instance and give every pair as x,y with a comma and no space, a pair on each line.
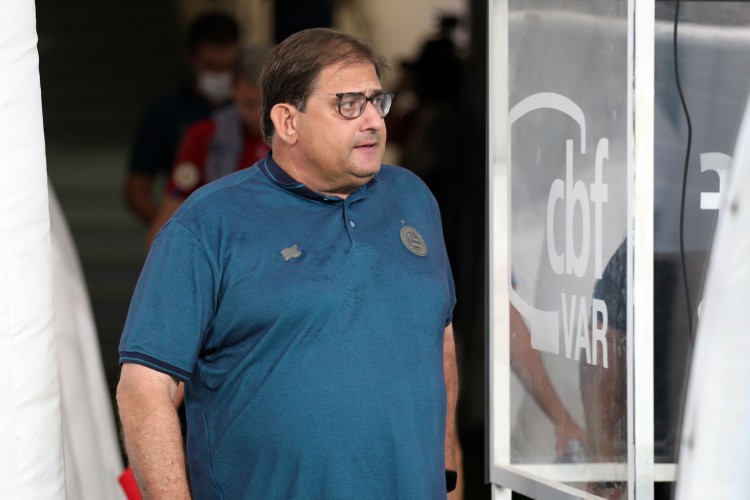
364,92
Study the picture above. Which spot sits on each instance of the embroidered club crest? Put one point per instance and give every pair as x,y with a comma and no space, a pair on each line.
412,240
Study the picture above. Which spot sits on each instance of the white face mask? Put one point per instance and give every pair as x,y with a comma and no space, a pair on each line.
216,87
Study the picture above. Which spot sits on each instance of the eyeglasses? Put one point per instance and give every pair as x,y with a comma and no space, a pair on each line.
352,104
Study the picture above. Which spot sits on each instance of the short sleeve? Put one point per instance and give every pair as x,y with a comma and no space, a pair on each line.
173,305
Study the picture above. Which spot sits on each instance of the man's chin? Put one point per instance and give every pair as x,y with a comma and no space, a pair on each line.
367,172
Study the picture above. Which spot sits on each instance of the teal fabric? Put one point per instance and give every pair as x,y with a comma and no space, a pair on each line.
309,335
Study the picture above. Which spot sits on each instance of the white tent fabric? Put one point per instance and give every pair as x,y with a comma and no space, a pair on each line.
31,456
92,456
715,448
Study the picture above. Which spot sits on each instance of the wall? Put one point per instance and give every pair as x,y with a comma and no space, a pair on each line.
395,28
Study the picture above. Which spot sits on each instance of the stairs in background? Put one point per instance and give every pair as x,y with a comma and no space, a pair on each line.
101,64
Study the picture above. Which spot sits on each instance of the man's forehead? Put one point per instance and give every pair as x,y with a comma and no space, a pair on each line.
358,72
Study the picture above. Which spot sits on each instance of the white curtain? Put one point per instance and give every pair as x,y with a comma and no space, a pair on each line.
31,454
715,445
92,455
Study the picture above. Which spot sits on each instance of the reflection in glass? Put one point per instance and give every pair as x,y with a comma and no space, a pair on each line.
713,44
527,364
604,390
568,221
568,174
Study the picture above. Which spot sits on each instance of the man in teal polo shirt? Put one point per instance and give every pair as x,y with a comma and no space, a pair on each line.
305,302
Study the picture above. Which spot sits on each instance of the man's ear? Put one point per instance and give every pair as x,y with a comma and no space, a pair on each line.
284,118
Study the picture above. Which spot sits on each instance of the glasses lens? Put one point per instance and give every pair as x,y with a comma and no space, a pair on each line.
383,103
352,105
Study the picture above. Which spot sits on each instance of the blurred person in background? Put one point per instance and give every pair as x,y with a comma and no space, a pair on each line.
228,141
430,130
212,44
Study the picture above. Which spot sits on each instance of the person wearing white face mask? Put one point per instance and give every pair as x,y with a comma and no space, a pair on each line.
228,141
212,44
216,87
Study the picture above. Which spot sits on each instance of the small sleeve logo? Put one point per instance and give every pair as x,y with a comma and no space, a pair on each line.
412,240
291,252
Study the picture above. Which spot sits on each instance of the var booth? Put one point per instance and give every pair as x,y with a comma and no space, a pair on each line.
608,148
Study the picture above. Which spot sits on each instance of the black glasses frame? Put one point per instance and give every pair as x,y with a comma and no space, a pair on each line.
383,109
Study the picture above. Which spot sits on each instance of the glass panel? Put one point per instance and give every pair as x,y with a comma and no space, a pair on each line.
568,241
714,70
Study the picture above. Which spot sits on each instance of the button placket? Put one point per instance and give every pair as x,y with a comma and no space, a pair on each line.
349,224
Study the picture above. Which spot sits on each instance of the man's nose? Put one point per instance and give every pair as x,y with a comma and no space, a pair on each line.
370,118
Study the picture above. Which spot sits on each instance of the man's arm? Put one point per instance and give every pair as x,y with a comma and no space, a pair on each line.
527,363
151,431
451,389
139,196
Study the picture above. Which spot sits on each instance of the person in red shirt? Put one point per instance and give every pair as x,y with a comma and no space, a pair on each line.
227,142
212,46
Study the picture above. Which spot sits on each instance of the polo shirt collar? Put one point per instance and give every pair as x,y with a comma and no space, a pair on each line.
281,178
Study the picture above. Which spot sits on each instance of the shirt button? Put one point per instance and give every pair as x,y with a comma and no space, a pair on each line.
351,222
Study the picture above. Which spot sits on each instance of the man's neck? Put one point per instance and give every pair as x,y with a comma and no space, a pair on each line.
290,165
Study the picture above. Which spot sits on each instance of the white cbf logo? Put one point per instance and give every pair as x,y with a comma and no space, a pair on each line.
571,197
569,194
574,194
